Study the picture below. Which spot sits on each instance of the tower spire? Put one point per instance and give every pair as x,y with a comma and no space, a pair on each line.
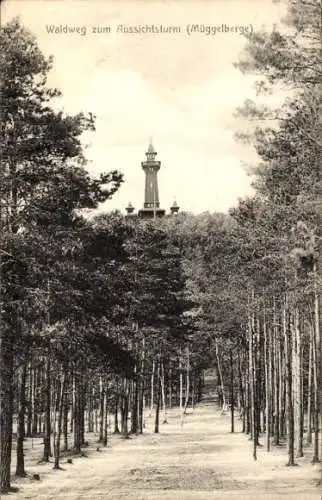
151,153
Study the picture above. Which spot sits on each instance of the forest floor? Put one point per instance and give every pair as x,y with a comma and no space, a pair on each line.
199,460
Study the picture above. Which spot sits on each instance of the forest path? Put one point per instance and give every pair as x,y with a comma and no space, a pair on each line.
199,460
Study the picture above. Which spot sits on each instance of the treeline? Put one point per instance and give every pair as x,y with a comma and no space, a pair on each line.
257,275
102,332
95,316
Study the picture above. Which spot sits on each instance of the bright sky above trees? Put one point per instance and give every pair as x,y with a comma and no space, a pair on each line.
181,90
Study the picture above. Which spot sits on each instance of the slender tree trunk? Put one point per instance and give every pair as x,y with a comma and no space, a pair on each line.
248,398
232,396
315,344
47,447
34,401
187,382
281,389
193,391
152,388
141,398
289,378
77,416
29,409
59,409
157,412
65,420
259,386
106,423
116,419
241,393
82,400
20,466
90,413
309,391
135,407
180,383
253,397
267,358
73,402
252,384
277,378
101,418
96,420
141,391
317,359
220,377
170,385
299,384
125,410
164,403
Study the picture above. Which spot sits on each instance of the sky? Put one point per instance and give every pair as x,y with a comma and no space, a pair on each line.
180,89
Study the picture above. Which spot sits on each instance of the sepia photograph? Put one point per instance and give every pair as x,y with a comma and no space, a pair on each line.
161,249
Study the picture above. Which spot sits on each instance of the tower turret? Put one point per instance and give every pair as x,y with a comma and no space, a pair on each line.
129,209
175,208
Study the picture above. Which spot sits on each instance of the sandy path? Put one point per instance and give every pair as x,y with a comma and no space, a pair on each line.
200,460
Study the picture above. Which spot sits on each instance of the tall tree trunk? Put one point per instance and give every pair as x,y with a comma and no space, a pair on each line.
65,418
135,406
125,409
180,382
187,382
248,398
152,388
164,403
223,400
29,409
106,422
232,396
309,391
116,420
241,392
193,390
267,361
282,390
141,390
47,447
315,345
157,412
277,377
34,402
59,410
170,385
20,466
90,412
252,385
77,415
298,393
289,385
73,402
141,398
317,361
82,400
101,417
